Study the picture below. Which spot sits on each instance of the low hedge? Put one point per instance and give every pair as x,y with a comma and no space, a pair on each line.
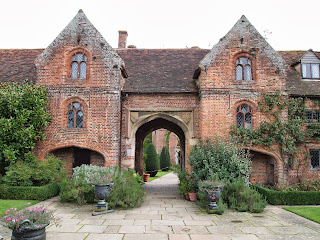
289,197
28,192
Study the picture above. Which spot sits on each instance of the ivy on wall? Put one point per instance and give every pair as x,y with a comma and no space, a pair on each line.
283,128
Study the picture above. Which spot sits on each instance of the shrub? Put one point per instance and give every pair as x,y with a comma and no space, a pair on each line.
33,173
165,161
217,158
152,160
240,197
289,197
127,191
23,117
29,192
184,182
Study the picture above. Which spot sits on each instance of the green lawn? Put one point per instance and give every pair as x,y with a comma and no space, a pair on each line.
6,204
311,213
159,174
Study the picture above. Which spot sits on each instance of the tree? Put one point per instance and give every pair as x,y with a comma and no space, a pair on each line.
23,117
165,161
152,160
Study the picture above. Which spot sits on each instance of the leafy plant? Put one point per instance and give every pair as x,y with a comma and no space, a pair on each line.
242,198
218,158
33,173
37,216
23,117
127,192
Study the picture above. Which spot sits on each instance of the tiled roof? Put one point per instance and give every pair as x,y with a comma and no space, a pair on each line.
17,65
161,70
297,86
151,70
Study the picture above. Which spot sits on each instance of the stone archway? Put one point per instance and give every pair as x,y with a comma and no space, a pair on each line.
151,126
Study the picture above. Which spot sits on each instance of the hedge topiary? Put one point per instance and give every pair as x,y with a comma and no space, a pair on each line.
165,161
289,197
152,159
29,192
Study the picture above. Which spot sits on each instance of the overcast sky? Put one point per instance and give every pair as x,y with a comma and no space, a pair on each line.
292,24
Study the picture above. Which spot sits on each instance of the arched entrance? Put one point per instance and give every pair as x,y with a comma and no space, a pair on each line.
151,126
75,156
263,168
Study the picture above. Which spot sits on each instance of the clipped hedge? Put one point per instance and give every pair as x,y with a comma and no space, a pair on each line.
289,197
29,192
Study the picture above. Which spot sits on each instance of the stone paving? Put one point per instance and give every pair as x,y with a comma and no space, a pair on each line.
165,215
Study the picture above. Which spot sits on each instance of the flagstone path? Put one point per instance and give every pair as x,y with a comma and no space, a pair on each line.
165,215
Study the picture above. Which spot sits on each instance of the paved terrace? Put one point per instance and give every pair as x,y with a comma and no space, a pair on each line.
165,215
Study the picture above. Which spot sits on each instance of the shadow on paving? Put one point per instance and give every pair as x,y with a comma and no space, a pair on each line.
166,215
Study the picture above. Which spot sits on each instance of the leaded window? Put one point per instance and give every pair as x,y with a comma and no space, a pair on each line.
244,117
310,70
314,158
312,116
75,115
79,66
243,69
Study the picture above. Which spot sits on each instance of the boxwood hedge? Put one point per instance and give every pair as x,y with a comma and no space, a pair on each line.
29,192
289,197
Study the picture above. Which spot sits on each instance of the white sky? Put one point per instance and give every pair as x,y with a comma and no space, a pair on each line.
163,23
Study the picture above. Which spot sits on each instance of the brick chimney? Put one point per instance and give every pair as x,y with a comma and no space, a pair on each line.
122,43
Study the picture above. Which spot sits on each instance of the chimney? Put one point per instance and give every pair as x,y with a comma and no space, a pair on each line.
122,43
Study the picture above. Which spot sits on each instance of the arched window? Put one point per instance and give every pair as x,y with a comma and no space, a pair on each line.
79,66
243,69
75,115
244,117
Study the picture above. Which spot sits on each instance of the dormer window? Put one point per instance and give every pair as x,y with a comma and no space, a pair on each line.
79,66
310,70
243,69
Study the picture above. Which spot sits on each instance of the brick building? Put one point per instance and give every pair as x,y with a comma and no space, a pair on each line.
105,100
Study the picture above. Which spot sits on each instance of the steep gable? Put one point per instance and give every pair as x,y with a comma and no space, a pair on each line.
81,33
243,35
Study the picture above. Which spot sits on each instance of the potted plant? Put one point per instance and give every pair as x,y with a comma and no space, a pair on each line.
212,189
192,189
146,177
28,223
103,185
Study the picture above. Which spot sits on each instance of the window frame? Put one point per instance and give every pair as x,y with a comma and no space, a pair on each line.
249,111
310,64
317,167
252,66
63,120
314,120
70,61
75,114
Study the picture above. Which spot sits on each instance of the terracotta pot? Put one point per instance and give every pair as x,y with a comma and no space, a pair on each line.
193,196
187,196
146,177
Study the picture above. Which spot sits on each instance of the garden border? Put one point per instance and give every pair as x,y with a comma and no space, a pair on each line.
29,192
289,197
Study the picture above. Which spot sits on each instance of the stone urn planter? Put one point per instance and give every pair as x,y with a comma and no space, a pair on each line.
101,192
153,173
27,231
146,177
212,206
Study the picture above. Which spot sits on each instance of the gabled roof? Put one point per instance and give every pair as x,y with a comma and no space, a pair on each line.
243,34
17,65
297,86
161,70
80,32
150,70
